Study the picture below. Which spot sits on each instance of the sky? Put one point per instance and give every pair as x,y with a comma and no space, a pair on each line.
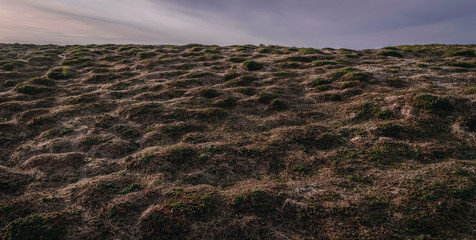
355,24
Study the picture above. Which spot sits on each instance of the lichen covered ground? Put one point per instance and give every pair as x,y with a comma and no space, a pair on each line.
237,142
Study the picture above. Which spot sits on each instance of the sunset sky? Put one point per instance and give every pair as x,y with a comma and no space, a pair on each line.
303,23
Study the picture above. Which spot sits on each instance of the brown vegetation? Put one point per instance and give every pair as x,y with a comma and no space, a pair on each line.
237,142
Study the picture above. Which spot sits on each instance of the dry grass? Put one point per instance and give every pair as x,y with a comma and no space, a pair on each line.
238,142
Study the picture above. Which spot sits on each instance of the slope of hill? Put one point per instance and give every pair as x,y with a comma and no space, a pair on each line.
237,142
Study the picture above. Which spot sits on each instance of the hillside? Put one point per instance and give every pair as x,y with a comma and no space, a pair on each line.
237,142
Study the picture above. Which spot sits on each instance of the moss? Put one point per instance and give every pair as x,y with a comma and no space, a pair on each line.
252,65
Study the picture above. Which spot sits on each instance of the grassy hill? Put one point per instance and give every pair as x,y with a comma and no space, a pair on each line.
237,142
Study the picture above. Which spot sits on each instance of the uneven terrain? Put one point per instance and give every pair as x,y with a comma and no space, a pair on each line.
237,142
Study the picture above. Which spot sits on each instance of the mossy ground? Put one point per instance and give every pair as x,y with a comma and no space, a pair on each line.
237,142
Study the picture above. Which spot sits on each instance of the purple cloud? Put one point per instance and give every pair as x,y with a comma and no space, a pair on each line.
306,23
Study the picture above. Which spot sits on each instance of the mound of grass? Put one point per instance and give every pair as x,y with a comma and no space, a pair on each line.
390,130
9,65
252,65
464,64
337,74
83,62
226,103
257,201
40,61
231,75
461,53
25,88
293,65
134,187
200,74
146,55
181,154
320,82
299,59
432,103
242,81
265,50
209,93
236,59
357,76
320,63
59,73
266,97
246,90
332,97
470,90
368,110
285,74
42,81
310,51
391,53
34,227
276,104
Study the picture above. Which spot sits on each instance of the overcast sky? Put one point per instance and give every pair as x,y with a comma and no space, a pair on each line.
303,23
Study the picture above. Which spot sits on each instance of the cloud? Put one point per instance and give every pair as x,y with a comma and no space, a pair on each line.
315,23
